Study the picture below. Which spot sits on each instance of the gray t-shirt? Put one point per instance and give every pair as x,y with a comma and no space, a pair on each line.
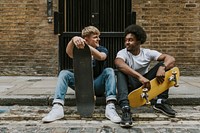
140,62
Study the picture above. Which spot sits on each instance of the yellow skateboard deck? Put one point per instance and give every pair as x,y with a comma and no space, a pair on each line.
142,96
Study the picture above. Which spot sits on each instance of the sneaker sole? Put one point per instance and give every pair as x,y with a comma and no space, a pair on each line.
163,112
113,120
49,121
126,125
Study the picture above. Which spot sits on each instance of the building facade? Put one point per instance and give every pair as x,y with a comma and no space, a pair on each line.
28,45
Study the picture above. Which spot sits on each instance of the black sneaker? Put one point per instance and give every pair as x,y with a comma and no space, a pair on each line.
165,108
126,117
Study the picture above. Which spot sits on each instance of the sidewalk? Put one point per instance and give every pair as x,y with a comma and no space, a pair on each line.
39,91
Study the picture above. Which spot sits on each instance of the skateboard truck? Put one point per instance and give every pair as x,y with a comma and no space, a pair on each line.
145,96
174,78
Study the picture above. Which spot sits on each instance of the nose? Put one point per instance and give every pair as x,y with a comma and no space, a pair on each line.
126,42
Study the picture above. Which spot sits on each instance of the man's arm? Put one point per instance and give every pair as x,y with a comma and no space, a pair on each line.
79,42
97,55
123,67
69,49
169,62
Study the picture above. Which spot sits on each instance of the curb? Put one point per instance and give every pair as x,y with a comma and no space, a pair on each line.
71,101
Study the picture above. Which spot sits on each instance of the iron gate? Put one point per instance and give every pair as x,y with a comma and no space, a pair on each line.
109,16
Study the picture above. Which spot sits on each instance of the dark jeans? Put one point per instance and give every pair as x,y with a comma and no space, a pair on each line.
126,84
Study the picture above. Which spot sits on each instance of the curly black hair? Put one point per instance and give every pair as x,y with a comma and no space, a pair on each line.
138,31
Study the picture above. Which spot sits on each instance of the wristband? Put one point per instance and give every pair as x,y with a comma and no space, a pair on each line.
163,65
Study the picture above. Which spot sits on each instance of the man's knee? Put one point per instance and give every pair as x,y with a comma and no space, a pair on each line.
109,71
64,73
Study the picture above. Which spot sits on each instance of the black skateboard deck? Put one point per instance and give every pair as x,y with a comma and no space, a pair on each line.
83,73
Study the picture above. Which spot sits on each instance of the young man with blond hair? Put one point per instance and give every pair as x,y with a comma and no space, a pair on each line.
104,78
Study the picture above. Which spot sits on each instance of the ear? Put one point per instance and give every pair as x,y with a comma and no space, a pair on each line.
86,38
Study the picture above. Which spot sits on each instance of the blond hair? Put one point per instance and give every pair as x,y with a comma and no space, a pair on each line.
90,30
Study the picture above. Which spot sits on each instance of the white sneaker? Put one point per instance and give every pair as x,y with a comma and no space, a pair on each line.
111,113
56,113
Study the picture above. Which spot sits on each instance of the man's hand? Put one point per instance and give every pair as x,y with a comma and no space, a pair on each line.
160,75
145,82
78,42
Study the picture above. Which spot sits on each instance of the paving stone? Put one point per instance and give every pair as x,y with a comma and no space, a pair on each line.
135,130
165,130
149,130
122,130
193,130
61,130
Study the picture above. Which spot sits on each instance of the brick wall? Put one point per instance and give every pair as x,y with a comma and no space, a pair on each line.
29,47
173,27
27,43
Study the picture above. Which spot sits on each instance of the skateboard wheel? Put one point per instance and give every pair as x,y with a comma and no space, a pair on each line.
176,85
95,98
145,90
148,103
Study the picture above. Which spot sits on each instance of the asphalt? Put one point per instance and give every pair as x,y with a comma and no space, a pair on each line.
39,91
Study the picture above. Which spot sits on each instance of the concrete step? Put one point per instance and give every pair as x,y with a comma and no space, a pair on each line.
39,91
71,101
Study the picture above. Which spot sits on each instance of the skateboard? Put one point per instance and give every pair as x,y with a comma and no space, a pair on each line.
83,73
142,96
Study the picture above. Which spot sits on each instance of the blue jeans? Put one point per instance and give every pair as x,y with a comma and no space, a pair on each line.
104,84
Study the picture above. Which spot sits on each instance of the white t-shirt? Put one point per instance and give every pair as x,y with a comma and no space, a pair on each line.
140,62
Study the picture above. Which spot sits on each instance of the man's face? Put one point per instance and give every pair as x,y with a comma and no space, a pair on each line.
93,40
131,42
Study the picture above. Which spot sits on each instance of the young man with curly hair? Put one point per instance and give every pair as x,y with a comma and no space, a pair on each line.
133,64
104,78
